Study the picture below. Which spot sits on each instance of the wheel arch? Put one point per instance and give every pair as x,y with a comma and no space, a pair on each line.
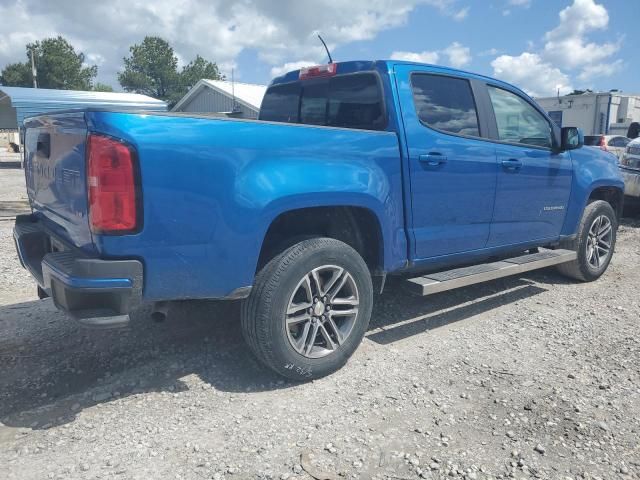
354,224
613,195
611,191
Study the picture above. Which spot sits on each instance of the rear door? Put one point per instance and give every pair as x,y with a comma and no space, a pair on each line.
56,175
534,182
452,169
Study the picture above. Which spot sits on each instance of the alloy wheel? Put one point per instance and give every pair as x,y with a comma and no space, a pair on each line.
322,311
599,241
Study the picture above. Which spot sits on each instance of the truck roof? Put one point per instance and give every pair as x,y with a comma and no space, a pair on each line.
354,66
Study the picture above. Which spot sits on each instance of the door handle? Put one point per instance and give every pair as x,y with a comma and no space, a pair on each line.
512,164
433,159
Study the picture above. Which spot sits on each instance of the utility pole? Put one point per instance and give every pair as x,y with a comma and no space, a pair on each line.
34,72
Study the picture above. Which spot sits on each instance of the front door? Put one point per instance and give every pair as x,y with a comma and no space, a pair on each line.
452,169
534,182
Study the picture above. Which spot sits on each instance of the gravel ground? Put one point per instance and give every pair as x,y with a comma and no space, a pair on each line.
532,377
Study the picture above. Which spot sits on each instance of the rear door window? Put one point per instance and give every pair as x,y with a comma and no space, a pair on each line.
445,103
619,142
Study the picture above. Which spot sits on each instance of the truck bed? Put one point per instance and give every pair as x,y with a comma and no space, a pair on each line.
210,188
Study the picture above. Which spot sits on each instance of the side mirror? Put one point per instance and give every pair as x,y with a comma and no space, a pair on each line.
572,138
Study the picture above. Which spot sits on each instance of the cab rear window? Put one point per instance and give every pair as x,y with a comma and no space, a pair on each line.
349,101
281,103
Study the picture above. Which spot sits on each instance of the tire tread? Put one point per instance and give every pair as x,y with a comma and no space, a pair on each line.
575,269
255,319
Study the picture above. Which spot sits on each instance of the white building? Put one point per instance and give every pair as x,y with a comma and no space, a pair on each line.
596,113
241,100
17,103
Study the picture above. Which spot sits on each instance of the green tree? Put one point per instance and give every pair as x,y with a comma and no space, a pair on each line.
581,92
152,69
16,75
102,87
58,66
198,69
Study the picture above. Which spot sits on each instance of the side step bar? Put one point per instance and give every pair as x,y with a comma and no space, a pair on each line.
461,277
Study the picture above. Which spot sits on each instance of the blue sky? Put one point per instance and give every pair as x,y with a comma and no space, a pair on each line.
540,45
502,28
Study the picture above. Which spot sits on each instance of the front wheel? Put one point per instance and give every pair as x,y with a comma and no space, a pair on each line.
309,309
594,243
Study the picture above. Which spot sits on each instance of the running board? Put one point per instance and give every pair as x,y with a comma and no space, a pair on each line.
461,277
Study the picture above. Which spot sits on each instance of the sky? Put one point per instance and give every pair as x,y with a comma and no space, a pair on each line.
541,46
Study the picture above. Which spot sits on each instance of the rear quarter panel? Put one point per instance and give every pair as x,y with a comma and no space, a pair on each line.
211,188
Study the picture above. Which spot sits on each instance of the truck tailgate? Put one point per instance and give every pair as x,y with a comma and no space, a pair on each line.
55,170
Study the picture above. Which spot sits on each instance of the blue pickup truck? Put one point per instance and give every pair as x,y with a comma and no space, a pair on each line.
353,172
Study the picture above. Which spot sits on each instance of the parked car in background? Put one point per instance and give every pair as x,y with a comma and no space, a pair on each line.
630,167
615,144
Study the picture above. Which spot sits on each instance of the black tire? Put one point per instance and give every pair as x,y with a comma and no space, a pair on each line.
581,269
264,313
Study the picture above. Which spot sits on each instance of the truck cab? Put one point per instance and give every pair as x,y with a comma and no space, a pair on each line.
466,140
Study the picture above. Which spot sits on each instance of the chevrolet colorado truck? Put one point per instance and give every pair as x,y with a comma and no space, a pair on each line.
354,171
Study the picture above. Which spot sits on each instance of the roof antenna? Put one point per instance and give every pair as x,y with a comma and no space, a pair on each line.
326,48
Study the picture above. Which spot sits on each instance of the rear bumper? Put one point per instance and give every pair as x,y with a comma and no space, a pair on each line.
83,287
631,182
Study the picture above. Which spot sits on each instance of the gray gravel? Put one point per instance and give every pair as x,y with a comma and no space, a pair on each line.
534,377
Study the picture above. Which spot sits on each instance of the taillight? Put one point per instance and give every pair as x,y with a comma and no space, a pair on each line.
111,179
328,70
603,144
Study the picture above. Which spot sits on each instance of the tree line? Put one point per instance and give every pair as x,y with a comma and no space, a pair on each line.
150,69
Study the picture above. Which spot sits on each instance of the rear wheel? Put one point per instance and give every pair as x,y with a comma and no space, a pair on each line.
309,309
594,243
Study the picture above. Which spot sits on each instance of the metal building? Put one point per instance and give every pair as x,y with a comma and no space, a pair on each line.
16,103
241,100
609,113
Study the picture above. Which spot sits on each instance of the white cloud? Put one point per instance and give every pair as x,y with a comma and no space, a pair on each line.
489,53
600,70
458,54
461,14
420,57
567,44
516,3
532,74
94,59
567,50
216,29
290,66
